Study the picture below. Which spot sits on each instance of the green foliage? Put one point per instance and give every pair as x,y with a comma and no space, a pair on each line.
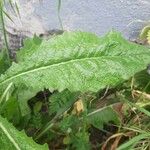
76,130
77,61
3,16
36,121
11,139
4,64
142,81
70,67
68,123
81,141
132,143
30,46
37,107
145,33
98,117
2,24
11,110
60,102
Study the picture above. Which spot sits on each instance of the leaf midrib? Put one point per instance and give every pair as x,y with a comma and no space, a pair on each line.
61,63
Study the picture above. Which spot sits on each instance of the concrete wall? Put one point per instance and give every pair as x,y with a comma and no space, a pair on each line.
98,16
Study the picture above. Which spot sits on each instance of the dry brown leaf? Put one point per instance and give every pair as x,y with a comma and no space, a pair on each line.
138,93
117,138
78,107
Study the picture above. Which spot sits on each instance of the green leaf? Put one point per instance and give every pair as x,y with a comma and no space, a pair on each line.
77,61
11,111
23,97
144,32
81,141
132,142
12,139
77,132
4,64
142,81
103,116
36,121
30,46
37,107
60,102
68,123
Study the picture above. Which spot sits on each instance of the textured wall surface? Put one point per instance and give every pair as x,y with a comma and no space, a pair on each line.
98,16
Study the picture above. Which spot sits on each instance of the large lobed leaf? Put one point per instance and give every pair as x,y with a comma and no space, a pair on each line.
12,139
77,61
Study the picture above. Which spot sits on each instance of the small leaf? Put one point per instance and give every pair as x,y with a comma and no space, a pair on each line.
68,123
11,111
103,116
144,32
66,140
4,64
37,107
60,102
81,141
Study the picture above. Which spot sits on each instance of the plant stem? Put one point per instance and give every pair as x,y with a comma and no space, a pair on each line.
45,129
4,33
58,11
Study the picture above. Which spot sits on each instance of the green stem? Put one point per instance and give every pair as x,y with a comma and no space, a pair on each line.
59,17
45,129
4,33
49,125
